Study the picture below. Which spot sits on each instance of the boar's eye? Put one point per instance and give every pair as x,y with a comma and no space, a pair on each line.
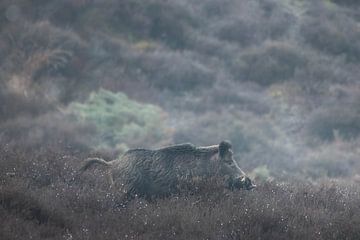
230,162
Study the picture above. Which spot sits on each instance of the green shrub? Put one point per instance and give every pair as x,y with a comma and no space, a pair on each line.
119,120
261,173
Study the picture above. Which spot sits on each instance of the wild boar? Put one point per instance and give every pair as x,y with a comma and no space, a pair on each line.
148,173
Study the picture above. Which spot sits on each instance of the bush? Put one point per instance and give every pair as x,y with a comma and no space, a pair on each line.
168,22
343,120
15,105
336,160
38,38
320,74
228,93
271,211
272,62
121,121
44,61
346,2
240,26
261,173
45,130
332,32
176,71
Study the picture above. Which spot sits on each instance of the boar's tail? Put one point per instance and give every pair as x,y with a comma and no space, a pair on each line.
90,161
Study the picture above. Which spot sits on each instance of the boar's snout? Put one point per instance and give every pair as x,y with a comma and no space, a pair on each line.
241,183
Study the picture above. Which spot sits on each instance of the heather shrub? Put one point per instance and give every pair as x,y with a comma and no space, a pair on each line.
15,105
274,210
352,3
176,71
240,31
46,130
333,32
44,61
336,160
271,63
271,22
321,74
21,202
228,93
119,120
278,78
43,45
168,22
215,9
343,120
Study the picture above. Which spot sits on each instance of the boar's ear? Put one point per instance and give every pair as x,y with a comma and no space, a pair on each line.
224,147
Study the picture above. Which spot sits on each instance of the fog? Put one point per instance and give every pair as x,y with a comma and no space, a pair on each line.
277,78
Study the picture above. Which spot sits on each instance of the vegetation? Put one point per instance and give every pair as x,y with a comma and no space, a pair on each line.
82,78
47,202
120,121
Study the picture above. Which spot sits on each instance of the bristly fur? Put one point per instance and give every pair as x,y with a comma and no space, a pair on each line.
148,173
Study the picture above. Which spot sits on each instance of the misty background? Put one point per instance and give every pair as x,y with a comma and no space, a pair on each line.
278,78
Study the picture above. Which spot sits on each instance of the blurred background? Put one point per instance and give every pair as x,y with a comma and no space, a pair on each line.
278,78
